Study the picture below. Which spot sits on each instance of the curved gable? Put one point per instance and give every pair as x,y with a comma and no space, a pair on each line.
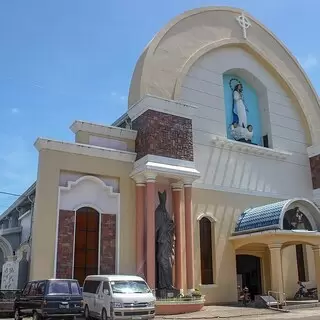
170,55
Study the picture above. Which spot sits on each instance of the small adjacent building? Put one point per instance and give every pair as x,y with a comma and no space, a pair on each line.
224,119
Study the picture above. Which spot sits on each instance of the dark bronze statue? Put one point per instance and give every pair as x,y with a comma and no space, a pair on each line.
164,229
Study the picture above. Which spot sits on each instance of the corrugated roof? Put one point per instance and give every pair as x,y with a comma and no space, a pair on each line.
260,218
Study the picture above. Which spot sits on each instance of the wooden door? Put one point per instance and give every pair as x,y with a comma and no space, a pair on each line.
86,244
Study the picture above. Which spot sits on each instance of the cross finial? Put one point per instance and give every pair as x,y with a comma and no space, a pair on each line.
244,24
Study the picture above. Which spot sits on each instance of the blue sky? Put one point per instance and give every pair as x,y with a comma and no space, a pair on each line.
62,61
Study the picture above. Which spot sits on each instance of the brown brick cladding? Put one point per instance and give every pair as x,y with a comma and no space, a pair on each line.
315,171
65,244
108,244
164,135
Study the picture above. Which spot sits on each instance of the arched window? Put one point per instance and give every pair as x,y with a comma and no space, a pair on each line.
206,251
86,243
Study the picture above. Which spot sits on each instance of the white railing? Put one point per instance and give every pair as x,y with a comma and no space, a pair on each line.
280,298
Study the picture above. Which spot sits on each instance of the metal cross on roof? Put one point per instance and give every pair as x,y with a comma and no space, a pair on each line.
244,24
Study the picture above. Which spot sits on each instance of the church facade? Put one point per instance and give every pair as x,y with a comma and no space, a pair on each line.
220,116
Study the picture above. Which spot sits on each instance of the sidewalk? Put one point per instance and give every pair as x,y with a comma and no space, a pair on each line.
223,312
211,312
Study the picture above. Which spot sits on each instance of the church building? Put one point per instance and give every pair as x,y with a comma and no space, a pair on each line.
223,118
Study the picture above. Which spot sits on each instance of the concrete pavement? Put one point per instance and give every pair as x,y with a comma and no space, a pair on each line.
220,312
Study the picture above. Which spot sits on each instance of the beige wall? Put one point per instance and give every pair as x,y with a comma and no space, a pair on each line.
224,208
84,137
45,218
290,269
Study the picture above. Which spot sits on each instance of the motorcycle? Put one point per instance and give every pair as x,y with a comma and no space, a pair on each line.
304,292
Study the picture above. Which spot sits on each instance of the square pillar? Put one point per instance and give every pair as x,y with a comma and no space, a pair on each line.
176,201
140,227
276,271
316,252
189,235
150,228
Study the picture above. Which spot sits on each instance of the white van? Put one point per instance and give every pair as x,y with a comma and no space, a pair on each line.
117,297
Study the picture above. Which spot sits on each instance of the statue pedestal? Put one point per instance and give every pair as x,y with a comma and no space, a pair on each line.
167,293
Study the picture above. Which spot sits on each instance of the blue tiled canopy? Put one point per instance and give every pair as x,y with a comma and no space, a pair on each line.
260,218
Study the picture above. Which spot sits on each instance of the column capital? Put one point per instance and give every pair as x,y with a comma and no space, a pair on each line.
274,246
316,248
187,182
177,186
140,180
150,176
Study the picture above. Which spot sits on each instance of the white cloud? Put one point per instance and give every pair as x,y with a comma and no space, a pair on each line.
113,93
123,97
15,110
310,62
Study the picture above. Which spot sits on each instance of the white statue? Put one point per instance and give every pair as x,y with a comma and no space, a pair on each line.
240,129
239,107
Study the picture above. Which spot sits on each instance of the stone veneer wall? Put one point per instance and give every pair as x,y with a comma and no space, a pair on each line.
64,267
108,244
65,245
315,171
163,134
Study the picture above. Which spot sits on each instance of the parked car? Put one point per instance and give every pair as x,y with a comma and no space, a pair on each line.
58,298
117,297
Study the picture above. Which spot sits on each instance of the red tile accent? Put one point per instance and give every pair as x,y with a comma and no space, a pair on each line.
108,244
65,244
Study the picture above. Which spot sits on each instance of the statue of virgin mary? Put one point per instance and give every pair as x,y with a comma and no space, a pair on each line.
239,108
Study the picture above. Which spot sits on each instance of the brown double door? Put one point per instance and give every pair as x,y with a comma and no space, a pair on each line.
86,243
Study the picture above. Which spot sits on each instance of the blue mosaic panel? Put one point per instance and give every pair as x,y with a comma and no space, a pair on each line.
260,217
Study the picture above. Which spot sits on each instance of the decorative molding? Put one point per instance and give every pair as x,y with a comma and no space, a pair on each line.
89,191
316,249
150,102
177,186
140,180
167,167
7,231
228,144
108,131
150,176
313,151
93,193
200,185
6,248
316,196
84,149
313,214
205,215
274,246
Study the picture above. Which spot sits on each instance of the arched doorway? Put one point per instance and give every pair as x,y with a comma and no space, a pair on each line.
249,273
86,249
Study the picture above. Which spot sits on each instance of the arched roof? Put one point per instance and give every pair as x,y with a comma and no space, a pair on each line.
166,60
271,216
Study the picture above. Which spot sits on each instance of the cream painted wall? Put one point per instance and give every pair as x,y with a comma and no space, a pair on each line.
225,209
104,141
241,172
290,269
45,218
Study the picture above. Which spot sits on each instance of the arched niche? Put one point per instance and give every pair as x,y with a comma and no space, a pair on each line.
300,215
242,89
